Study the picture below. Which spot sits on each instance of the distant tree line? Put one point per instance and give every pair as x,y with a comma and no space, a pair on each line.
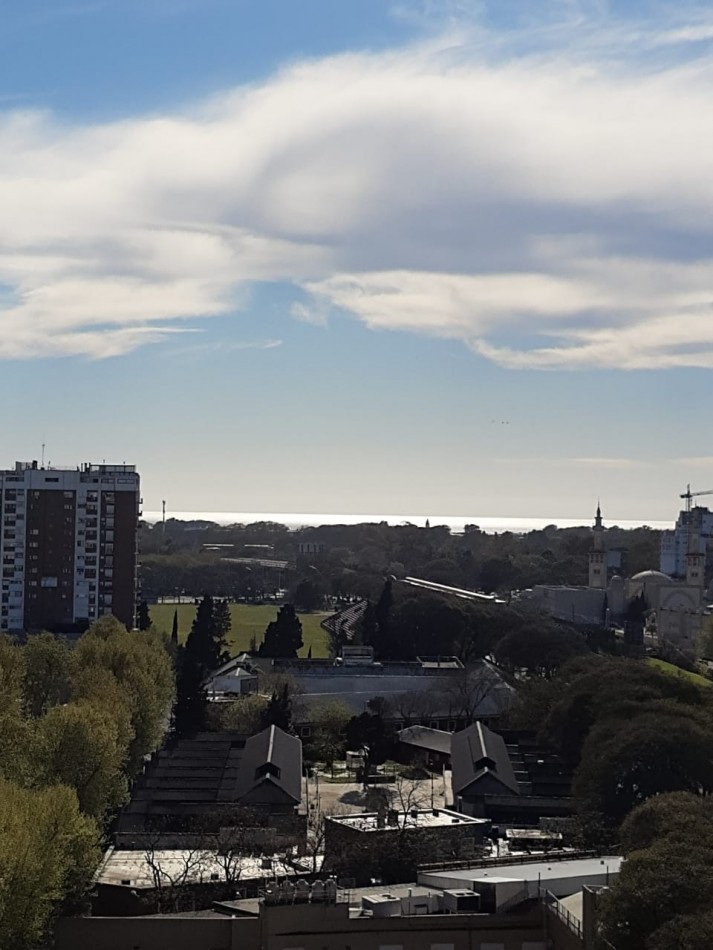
355,558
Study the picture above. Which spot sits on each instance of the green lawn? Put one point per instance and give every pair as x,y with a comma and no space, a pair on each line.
665,667
248,620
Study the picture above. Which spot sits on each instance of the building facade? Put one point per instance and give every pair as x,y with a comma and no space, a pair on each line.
694,527
69,540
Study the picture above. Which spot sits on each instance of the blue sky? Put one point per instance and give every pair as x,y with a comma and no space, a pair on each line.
361,256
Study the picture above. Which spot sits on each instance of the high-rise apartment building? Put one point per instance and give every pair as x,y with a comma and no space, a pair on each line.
69,540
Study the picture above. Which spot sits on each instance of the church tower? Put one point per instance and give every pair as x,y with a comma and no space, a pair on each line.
598,557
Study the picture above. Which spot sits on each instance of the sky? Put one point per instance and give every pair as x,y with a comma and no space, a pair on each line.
385,256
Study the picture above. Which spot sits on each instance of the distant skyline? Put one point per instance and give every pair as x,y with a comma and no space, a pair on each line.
368,256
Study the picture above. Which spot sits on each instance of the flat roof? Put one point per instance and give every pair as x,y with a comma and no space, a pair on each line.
425,818
120,866
538,871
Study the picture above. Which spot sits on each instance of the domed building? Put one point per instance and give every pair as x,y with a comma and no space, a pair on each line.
677,606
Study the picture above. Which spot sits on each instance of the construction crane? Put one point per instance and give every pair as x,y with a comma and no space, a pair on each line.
690,495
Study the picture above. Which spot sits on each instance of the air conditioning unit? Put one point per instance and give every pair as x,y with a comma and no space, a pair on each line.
461,902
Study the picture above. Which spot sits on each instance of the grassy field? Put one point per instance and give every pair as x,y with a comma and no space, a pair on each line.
248,621
665,667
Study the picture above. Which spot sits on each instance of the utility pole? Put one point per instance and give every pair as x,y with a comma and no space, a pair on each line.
163,520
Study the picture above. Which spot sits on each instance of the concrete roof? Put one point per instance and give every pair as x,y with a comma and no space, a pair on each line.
532,872
133,866
425,818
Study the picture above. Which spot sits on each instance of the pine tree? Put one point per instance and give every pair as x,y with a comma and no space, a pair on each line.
174,630
143,616
368,628
223,623
191,700
283,637
201,654
205,642
382,616
278,711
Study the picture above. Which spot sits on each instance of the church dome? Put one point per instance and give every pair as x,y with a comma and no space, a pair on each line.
655,577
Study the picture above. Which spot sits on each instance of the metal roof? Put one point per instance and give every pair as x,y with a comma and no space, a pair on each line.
435,740
272,748
477,752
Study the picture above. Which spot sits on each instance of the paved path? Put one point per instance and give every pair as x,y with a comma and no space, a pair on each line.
345,798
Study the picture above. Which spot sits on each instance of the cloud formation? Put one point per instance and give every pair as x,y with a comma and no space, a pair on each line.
551,210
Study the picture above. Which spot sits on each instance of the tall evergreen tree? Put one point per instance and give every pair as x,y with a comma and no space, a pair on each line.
143,616
368,627
382,616
205,642
191,700
223,623
174,629
278,711
202,653
283,637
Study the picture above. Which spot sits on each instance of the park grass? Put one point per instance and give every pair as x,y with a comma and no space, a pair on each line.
248,620
672,670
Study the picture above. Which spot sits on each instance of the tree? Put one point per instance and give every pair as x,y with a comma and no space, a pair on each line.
243,715
283,636
469,689
674,815
143,616
382,614
222,621
539,648
368,731
660,891
79,747
328,720
592,687
307,595
278,711
642,752
141,667
189,712
12,673
171,873
49,668
174,628
48,854
202,653
368,628
206,641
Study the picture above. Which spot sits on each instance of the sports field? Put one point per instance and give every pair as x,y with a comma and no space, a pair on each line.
248,620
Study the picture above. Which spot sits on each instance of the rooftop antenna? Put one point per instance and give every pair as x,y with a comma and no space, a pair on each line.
43,455
163,518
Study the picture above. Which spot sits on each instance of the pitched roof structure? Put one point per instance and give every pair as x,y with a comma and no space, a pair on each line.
272,756
478,753
433,740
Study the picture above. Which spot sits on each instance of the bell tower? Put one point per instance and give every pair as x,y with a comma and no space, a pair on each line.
598,557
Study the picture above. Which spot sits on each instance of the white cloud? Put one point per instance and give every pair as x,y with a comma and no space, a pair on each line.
550,210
